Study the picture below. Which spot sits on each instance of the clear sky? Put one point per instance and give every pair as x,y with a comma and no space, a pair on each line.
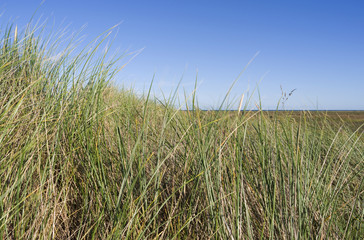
316,47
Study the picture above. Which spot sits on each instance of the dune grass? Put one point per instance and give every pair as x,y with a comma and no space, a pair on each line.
82,159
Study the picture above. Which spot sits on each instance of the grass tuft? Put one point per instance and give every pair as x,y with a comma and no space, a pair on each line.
80,158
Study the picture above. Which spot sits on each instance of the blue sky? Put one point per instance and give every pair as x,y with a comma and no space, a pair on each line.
316,47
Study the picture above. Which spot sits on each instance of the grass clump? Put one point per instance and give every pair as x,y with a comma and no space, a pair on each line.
80,158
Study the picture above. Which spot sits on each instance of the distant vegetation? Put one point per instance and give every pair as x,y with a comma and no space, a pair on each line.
81,159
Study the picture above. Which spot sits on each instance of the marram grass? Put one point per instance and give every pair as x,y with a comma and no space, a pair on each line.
81,159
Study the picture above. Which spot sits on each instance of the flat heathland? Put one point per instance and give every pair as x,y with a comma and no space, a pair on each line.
81,159
354,119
